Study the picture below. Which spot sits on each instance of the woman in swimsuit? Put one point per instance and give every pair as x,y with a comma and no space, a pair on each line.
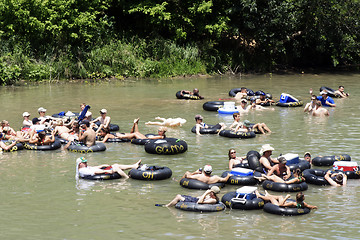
282,202
233,160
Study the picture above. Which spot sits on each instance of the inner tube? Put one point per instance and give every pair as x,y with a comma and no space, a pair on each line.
196,184
234,91
212,129
166,146
290,104
142,141
187,96
112,140
151,173
112,127
53,146
283,187
350,174
253,160
329,160
16,147
79,148
196,207
274,209
330,92
239,134
315,176
303,164
255,203
213,105
103,176
242,180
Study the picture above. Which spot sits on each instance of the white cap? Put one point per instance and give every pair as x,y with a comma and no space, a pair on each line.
26,114
208,169
103,110
41,109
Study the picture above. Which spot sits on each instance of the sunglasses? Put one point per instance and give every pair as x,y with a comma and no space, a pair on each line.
232,152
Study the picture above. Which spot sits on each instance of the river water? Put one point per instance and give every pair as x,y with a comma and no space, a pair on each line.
40,198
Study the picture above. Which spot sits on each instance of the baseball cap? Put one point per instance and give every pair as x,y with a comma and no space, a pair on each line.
103,110
35,120
198,117
26,114
83,159
41,109
323,92
215,189
208,169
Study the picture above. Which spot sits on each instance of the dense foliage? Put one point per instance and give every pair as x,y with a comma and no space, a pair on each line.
52,39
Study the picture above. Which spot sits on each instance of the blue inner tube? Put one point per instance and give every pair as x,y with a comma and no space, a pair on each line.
187,96
17,147
242,180
283,187
213,105
274,209
315,176
212,129
255,203
233,134
166,146
195,184
79,148
152,173
329,160
195,207
53,146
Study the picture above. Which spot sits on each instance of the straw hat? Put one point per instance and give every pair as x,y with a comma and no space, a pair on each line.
265,148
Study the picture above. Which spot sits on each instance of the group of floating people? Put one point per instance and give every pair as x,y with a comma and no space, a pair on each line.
84,130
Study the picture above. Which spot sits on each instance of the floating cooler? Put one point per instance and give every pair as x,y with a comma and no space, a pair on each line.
286,98
291,158
241,172
244,193
345,166
228,108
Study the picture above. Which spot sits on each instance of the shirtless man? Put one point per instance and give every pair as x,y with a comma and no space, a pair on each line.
242,94
63,131
103,119
243,108
88,136
236,125
83,170
205,176
341,92
265,159
319,111
311,105
169,122
280,170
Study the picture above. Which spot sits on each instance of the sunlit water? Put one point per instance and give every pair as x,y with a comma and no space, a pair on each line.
40,198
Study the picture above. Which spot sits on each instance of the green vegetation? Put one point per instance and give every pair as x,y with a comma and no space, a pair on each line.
64,39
